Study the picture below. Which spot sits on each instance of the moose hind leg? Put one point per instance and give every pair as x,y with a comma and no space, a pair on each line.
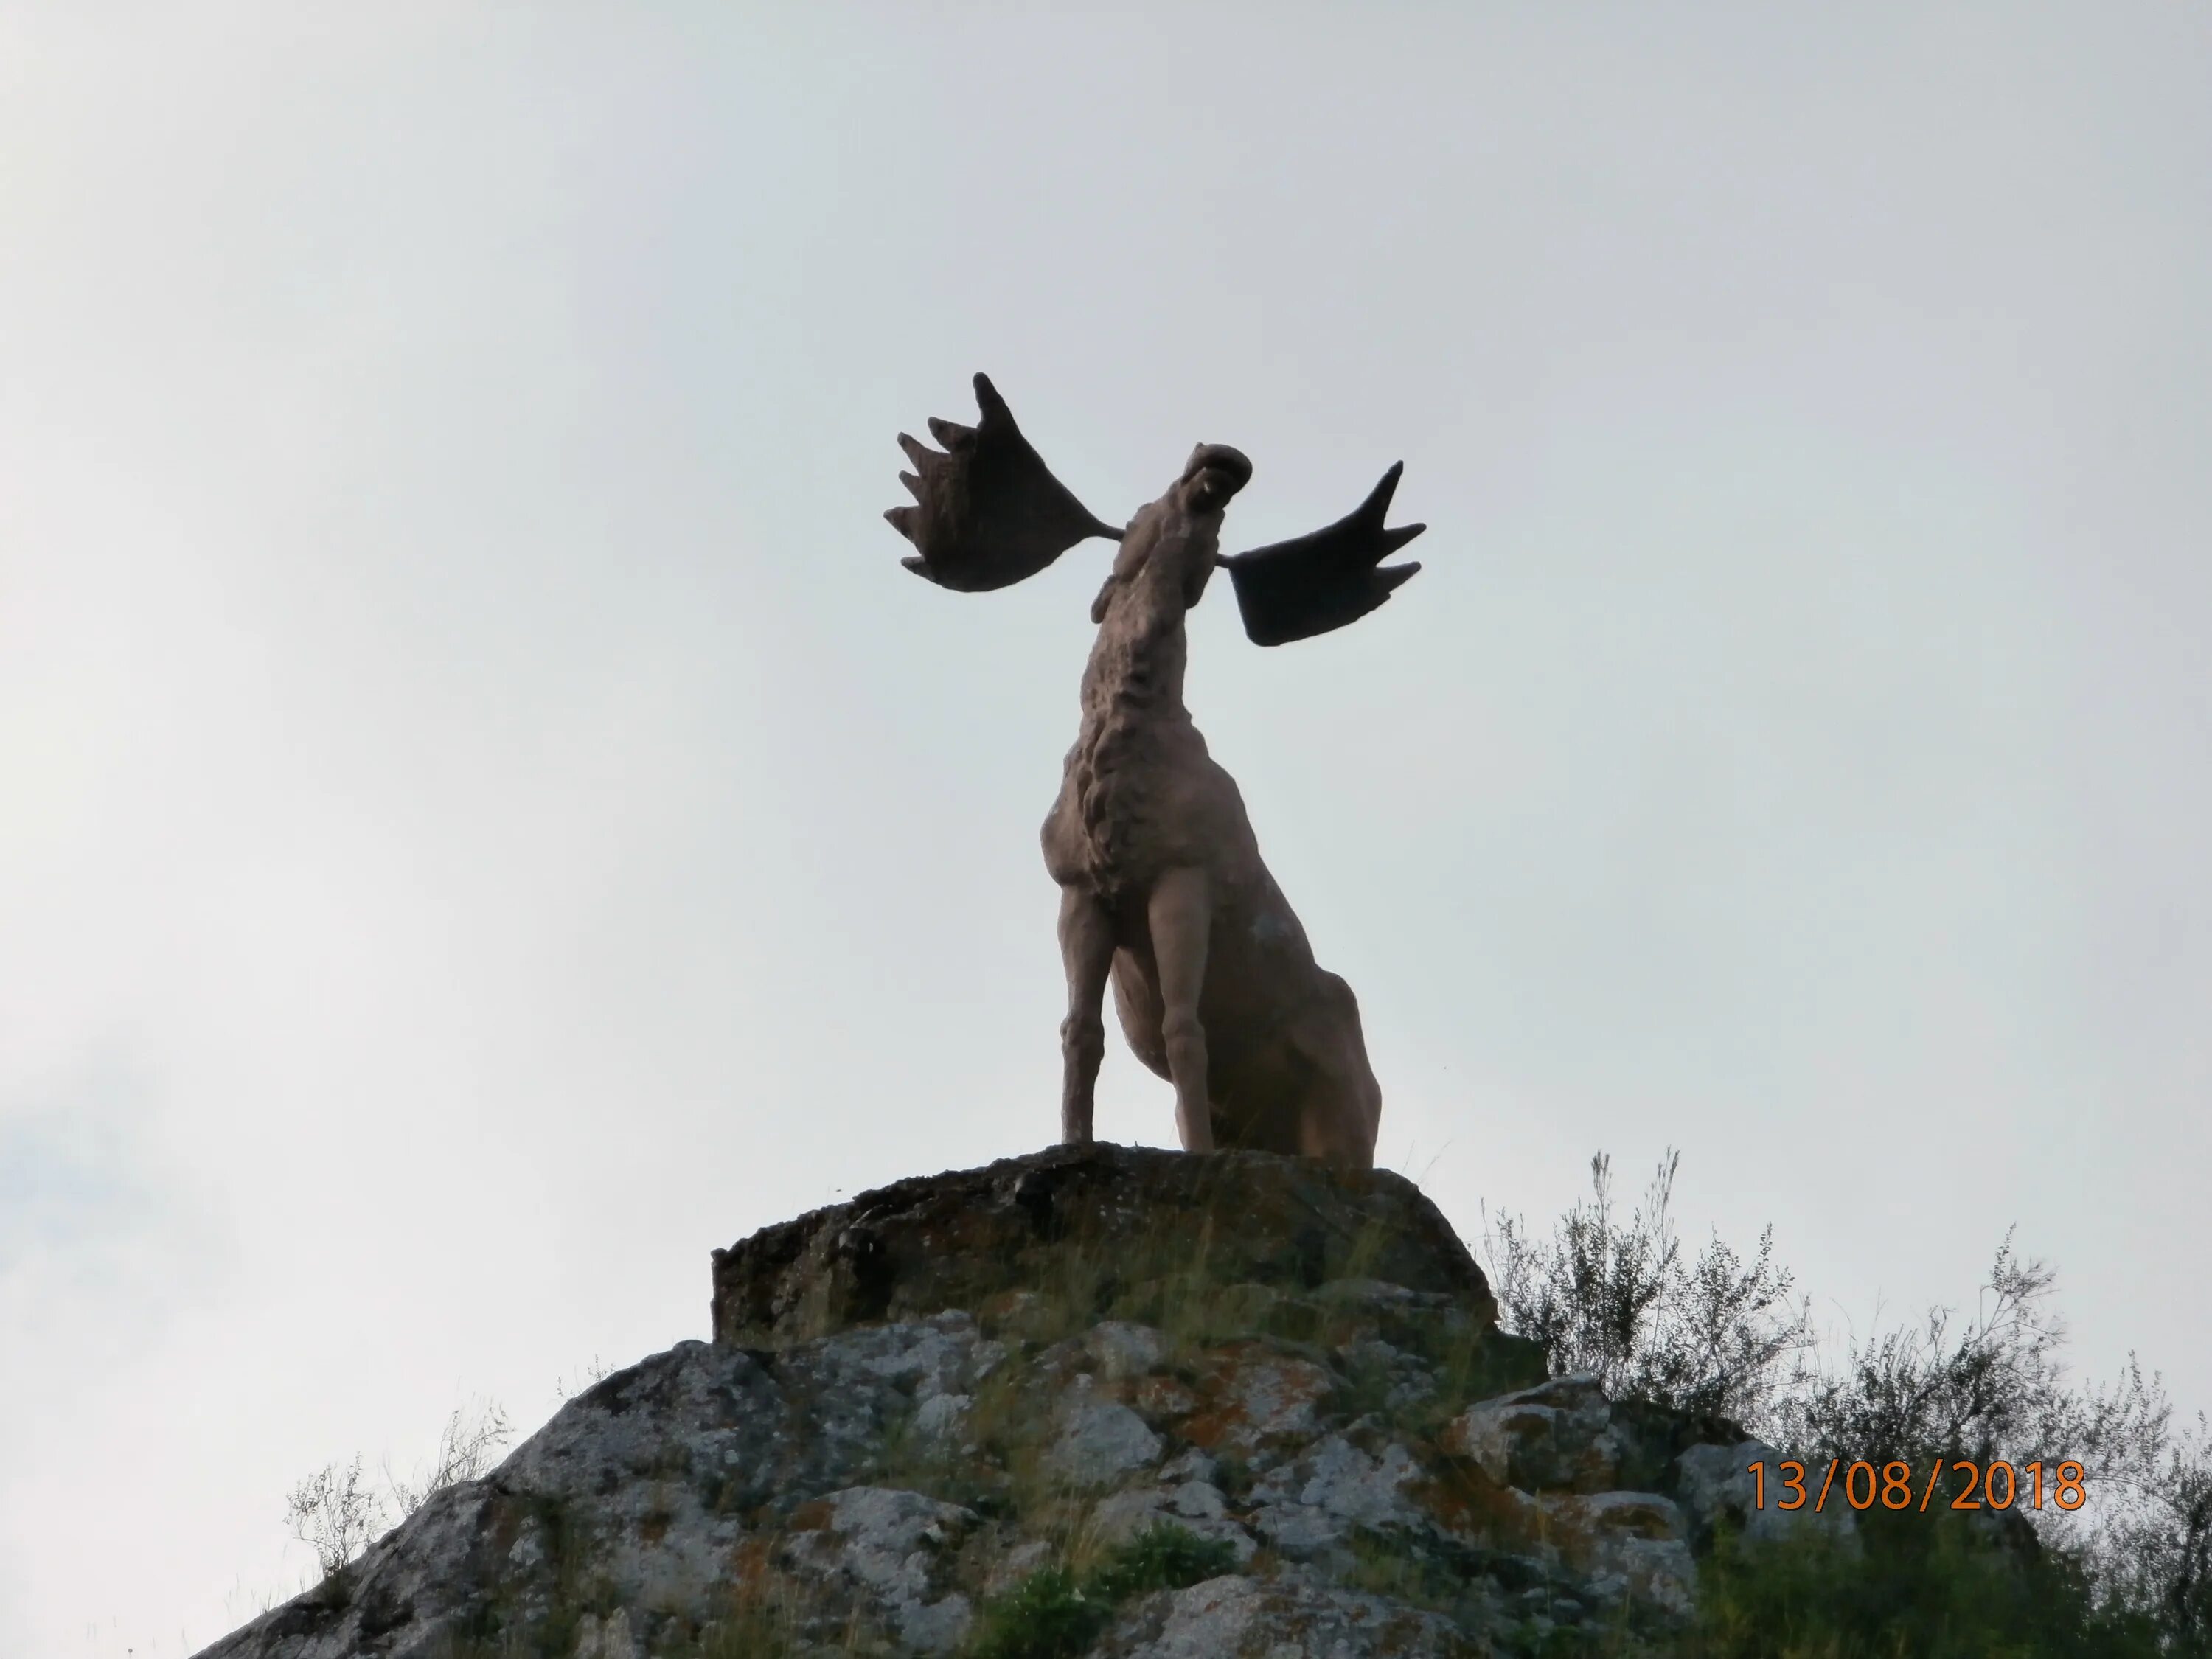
1180,916
1086,951
1340,1109
1336,1123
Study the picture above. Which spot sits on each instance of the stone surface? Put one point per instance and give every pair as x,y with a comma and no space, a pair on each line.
1629,1546
864,1473
1317,1500
1099,1440
1090,1222
1717,1488
888,1549
1556,1434
1287,1617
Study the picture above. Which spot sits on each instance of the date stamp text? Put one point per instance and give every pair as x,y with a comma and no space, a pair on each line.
1898,1485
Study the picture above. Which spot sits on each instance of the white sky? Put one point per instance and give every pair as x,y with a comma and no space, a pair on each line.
484,818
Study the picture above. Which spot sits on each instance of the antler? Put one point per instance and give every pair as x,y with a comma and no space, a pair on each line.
1294,590
987,510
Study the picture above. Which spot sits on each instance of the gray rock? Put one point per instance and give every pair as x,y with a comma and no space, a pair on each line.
1556,1434
943,1417
1291,1616
1718,1489
1198,1500
1189,1464
1263,1396
853,1484
1100,1439
1016,1564
1318,1500
1122,1516
1122,1350
1366,1491
927,1357
892,1547
607,1639
1633,1545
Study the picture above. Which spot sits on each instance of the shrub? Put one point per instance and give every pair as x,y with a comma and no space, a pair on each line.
1046,1616
2131,1573
335,1515
1931,1589
467,1449
1051,1614
338,1515
1162,1557
1621,1301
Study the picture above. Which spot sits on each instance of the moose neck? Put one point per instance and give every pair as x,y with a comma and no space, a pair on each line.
1136,668
1137,663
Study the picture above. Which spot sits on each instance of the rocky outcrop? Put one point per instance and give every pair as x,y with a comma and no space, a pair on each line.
1087,1225
1221,1405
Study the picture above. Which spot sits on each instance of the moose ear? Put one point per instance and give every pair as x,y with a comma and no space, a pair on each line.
987,511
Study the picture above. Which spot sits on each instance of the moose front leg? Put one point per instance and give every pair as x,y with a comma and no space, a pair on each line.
1180,916
1086,951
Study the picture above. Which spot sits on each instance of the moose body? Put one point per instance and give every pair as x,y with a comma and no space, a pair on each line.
1163,890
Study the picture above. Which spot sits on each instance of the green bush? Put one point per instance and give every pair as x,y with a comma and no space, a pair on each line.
1932,1589
1051,1615
1046,1616
1162,1557
2130,1574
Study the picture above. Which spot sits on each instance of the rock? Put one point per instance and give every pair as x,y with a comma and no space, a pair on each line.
1252,1394
605,1639
1123,1350
1291,1616
1100,1439
1318,1500
1197,1500
918,1402
942,1416
1718,1489
1016,1564
1191,1464
1630,1546
889,1546
1553,1435
1101,1216
1125,1515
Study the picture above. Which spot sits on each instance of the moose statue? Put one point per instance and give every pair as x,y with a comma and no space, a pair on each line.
1162,889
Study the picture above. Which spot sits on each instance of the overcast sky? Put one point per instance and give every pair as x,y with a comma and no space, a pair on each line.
484,818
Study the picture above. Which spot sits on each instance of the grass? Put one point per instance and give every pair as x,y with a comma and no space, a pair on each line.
1046,1616
1057,1614
1380,1568
1932,1590
769,1630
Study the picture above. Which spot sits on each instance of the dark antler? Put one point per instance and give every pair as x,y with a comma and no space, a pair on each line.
1297,589
987,510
